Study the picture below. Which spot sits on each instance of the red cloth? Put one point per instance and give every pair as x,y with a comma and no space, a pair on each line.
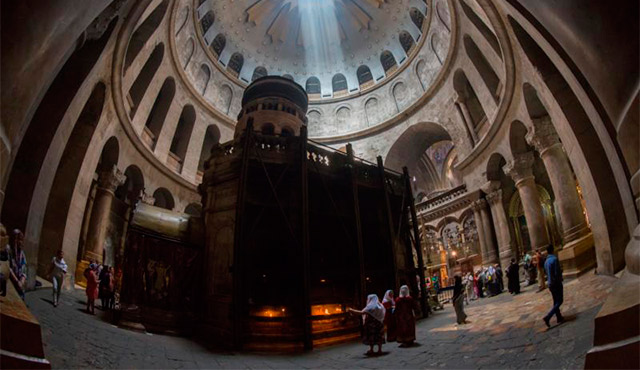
390,322
405,320
92,285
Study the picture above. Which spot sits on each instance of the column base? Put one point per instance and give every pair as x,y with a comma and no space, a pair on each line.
80,267
577,257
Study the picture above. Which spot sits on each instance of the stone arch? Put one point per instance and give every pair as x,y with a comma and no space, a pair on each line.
372,111
406,41
365,78
465,91
388,61
339,84
517,141
420,70
182,135
163,199
144,32
225,99
193,209
288,76
313,86
190,50
442,18
129,192
400,95
144,78
494,167
417,18
202,78
485,31
433,43
43,127
267,129
343,114
258,73
484,68
211,139
412,143
160,108
110,155
218,44
182,21
235,64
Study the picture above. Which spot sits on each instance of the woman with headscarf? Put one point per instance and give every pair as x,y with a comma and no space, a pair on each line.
405,318
458,300
373,317
389,317
513,277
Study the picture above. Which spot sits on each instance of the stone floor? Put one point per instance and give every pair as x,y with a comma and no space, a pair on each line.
505,332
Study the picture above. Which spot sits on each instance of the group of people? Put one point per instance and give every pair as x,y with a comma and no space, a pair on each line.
100,284
395,316
534,269
487,281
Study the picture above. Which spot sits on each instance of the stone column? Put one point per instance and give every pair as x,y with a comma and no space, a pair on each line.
520,170
544,138
577,252
502,227
485,235
466,118
108,181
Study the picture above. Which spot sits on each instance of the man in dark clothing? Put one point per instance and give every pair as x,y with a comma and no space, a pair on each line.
513,275
554,282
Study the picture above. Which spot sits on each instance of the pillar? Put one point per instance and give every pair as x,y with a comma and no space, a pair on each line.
108,181
501,225
521,171
577,240
466,118
485,236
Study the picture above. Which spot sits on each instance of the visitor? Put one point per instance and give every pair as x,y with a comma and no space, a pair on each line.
435,282
554,281
57,272
480,283
106,287
458,300
513,275
373,317
17,261
499,278
527,268
389,317
491,281
538,261
92,287
470,286
405,318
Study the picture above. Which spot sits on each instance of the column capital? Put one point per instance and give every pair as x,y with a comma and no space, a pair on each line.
542,135
495,197
520,168
146,198
479,204
110,179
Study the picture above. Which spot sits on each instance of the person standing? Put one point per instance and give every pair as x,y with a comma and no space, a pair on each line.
469,286
17,261
389,318
405,318
513,275
554,281
480,283
57,271
499,278
373,316
92,287
106,287
458,300
539,261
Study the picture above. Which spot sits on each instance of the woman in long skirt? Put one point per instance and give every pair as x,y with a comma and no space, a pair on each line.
458,300
405,318
389,317
373,316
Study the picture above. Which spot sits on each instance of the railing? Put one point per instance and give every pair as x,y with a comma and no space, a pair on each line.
443,198
445,294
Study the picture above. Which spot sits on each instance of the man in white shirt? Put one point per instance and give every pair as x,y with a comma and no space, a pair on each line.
58,270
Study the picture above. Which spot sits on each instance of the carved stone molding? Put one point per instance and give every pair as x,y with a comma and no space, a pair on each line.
520,168
542,135
110,180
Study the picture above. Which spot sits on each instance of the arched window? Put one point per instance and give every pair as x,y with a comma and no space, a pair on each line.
339,84
148,71
259,72
313,86
365,78
286,132
159,111
235,64
288,77
218,44
388,62
182,136
417,17
406,41
482,27
465,91
163,199
267,129
489,76
144,32
207,21
211,138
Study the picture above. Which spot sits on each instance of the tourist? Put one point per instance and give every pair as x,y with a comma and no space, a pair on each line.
92,287
480,283
373,317
527,268
470,286
106,287
499,278
554,281
57,272
17,261
538,261
405,318
434,281
389,318
513,275
458,300
491,281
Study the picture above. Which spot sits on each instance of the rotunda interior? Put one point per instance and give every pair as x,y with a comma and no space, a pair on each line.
253,169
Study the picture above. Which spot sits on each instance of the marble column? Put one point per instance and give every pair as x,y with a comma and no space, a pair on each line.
485,234
545,139
521,171
502,227
108,181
